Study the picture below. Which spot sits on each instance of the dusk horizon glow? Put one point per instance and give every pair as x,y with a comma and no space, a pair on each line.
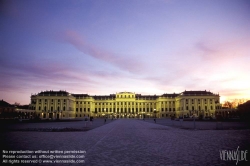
105,47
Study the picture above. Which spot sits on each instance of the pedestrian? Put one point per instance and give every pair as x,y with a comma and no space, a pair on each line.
91,120
104,120
86,121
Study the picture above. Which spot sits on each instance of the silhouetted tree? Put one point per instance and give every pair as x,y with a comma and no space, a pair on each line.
234,103
228,104
244,110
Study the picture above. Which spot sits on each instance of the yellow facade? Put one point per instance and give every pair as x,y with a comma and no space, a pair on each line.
61,104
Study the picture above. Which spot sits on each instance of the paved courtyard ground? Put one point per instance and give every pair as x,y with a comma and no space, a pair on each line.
202,125
79,125
136,142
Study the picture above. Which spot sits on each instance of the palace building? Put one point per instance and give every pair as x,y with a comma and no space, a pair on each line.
62,104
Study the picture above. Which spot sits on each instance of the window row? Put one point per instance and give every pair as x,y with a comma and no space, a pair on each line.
84,109
199,108
51,109
199,100
126,103
80,102
125,96
168,102
121,110
52,100
80,115
166,109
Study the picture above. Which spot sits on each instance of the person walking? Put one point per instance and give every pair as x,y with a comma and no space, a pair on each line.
86,121
91,120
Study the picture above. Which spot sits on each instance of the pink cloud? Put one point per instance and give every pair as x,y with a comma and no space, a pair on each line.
223,50
128,64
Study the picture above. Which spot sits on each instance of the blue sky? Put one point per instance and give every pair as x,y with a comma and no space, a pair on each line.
142,46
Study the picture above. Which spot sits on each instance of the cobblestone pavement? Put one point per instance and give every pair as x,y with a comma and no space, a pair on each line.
22,126
201,125
135,142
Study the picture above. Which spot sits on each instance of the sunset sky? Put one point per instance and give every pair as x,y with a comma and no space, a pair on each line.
101,47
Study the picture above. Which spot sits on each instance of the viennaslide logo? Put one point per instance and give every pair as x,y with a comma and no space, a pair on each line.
233,155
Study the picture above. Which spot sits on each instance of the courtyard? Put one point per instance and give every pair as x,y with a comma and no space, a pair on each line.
131,141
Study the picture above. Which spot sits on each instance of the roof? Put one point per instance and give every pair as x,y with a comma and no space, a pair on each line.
53,93
196,93
80,95
173,95
104,97
146,97
5,104
125,92
137,96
